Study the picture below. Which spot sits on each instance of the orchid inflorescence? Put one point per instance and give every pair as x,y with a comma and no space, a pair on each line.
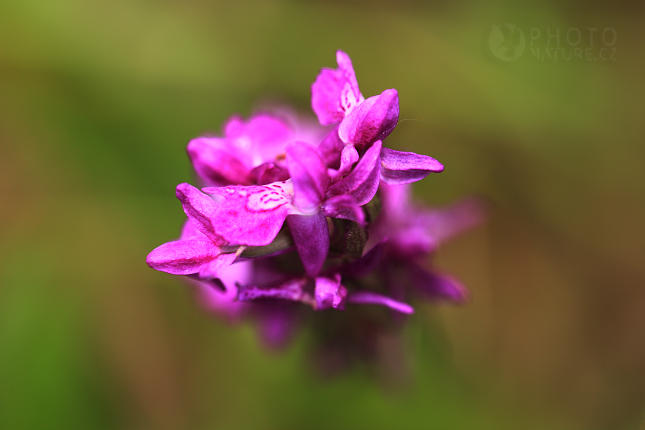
291,213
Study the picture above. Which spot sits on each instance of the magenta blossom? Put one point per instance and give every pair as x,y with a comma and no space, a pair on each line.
253,215
408,233
336,98
286,216
250,152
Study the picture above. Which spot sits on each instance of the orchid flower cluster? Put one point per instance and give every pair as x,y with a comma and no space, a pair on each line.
291,215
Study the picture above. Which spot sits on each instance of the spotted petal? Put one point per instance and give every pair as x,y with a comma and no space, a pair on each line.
251,215
335,93
199,207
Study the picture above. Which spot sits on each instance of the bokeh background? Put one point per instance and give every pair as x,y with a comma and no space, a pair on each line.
97,101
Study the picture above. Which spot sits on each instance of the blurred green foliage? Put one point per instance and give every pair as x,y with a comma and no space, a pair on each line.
97,101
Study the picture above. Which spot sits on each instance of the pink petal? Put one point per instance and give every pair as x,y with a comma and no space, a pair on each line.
330,293
224,303
372,120
263,136
308,174
215,267
335,93
182,257
251,215
396,201
343,206
292,290
435,286
371,298
199,207
311,236
345,66
363,182
330,149
325,96
190,232
216,163
348,157
442,224
405,167
267,173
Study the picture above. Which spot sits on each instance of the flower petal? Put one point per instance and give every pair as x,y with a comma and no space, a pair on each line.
251,215
343,206
348,157
292,290
330,149
214,268
182,257
330,293
405,167
261,138
311,236
215,163
335,92
308,174
199,207
221,303
267,173
190,232
442,224
363,182
372,120
435,286
345,66
372,298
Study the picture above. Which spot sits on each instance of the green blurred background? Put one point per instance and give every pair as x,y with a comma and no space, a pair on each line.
97,101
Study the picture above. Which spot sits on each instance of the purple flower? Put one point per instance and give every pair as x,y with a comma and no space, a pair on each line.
287,215
335,98
253,215
250,152
408,233
320,292
193,254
